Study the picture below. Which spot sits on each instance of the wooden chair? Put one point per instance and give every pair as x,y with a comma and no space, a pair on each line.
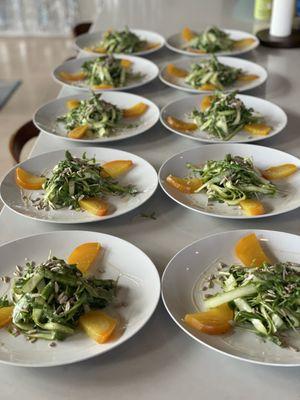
29,130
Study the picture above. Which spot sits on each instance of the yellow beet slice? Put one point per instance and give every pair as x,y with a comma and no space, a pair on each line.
100,50
250,252
184,185
258,129
252,207
177,72
151,45
84,255
135,111
102,86
117,167
187,34
5,315
72,104
247,77
78,132
126,63
208,86
181,125
198,51
206,102
72,77
238,44
215,321
28,181
98,325
280,171
94,206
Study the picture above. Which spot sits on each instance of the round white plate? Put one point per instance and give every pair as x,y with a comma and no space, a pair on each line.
263,157
142,175
45,117
92,39
140,65
184,276
175,43
247,66
139,285
273,115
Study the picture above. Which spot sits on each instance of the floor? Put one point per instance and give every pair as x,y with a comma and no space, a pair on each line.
31,60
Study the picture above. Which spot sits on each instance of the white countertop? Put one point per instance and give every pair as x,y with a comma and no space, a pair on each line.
161,362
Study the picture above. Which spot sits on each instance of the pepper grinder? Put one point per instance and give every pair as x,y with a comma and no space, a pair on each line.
281,34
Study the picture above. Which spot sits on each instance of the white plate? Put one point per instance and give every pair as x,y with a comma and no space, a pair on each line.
142,175
139,288
185,274
273,115
247,67
91,39
140,65
263,158
175,43
45,117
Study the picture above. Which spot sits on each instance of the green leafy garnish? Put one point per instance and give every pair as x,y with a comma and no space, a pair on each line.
212,71
232,180
265,300
123,41
211,40
225,116
50,297
103,118
74,179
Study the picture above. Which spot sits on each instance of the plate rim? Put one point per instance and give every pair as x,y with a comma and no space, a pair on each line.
233,217
70,222
208,141
224,353
98,140
116,343
135,30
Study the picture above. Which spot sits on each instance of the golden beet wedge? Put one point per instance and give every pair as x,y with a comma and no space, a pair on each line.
94,206
206,102
103,86
135,111
258,129
279,172
247,77
72,103
78,132
208,86
72,77
252,207
126,63
184,185
180,125
28,181
98,325
116,168
215,321
239,44
187,34
5,315
177,72
249,251
84,256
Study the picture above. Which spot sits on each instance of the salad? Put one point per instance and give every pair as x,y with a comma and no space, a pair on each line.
78,184
234,181
260,295
212,40
212,72
49,300
103,72
97,118
124,41
224,114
